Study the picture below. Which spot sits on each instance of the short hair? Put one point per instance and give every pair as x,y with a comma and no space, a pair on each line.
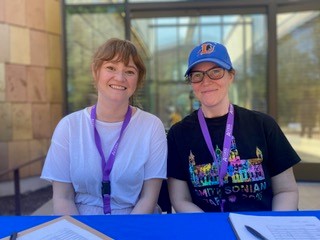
119,50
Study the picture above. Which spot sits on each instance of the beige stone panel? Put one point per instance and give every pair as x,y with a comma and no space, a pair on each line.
4,163
19,45
2,11
53,16
55,51
16,83
2,83
19,154
56,115
5,122
15,12
35,14
36,79
38,150
39,48
54,85
41,123
4,43
21,121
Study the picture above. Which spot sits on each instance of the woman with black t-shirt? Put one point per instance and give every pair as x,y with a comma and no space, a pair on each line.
223,157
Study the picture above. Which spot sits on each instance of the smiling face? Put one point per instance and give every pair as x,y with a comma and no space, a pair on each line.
118,70
213,94
116,81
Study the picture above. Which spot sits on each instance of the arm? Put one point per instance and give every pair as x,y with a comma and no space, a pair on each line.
285,191
180,196
63,199
149,196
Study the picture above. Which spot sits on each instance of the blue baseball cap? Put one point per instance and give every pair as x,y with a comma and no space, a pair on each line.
209,52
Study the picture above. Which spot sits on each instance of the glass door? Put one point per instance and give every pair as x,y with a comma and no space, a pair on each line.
298,40
169,41
288,89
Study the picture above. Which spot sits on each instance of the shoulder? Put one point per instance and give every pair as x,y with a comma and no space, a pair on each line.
145,116
253,121
252,115
187,124
148,123
74,119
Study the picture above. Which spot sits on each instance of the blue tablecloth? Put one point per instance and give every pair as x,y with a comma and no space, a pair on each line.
166,226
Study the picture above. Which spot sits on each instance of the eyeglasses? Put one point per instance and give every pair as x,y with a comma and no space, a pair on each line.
214,73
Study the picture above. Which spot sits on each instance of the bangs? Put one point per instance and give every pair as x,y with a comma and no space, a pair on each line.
119,52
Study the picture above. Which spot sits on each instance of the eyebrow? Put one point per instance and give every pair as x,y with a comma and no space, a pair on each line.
114,62
214,67
132,66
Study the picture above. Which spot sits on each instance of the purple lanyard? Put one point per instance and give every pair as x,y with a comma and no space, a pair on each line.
226,144
106,167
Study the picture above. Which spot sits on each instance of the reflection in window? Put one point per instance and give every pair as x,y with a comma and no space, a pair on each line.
70,2
86,29
173,39
299,81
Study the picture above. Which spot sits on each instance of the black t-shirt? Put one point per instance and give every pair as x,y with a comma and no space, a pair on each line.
259,151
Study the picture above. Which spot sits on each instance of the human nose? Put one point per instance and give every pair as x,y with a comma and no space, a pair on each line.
206,77
120,75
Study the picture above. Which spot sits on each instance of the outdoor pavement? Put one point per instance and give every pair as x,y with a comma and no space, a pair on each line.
26,185
45,209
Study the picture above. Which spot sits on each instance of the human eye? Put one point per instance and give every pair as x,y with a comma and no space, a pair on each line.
218,70
130,72
215,72
109,67
196,76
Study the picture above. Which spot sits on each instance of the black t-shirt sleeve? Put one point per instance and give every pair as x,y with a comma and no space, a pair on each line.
174,164
281,154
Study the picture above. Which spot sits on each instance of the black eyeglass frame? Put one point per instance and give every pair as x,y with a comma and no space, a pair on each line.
188,76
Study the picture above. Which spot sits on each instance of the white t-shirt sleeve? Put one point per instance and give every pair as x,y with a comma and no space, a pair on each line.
156,166
57,163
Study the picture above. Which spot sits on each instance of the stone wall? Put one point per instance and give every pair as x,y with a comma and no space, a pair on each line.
31,84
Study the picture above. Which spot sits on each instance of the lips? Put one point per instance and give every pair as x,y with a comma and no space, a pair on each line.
118,87
209,91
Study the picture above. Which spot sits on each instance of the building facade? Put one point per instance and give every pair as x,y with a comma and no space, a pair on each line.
31,89
46,49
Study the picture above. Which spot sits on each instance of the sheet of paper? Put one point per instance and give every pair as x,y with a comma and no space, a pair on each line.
63,228
276,227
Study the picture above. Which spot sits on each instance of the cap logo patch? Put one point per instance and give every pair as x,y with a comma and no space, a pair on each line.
206,48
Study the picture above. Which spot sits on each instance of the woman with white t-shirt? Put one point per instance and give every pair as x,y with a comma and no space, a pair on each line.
109,158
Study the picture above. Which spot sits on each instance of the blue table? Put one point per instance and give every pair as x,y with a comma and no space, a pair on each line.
165,226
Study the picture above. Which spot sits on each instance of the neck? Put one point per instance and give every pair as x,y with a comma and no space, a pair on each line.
111,113
216,111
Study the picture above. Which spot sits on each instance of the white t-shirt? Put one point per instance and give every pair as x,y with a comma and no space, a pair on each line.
74,158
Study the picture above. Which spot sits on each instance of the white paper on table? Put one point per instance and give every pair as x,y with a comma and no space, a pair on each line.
62,228
276,227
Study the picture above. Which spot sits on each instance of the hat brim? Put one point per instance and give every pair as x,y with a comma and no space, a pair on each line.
213,60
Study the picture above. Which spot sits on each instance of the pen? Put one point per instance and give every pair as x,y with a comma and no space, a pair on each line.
13,236
255,233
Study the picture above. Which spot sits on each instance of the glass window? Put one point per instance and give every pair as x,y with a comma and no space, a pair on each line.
299,81
70,2
86,29
169,41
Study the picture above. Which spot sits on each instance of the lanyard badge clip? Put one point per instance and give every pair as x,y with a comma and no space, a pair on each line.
105,188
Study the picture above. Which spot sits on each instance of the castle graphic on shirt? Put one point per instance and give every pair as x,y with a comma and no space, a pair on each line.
244,178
